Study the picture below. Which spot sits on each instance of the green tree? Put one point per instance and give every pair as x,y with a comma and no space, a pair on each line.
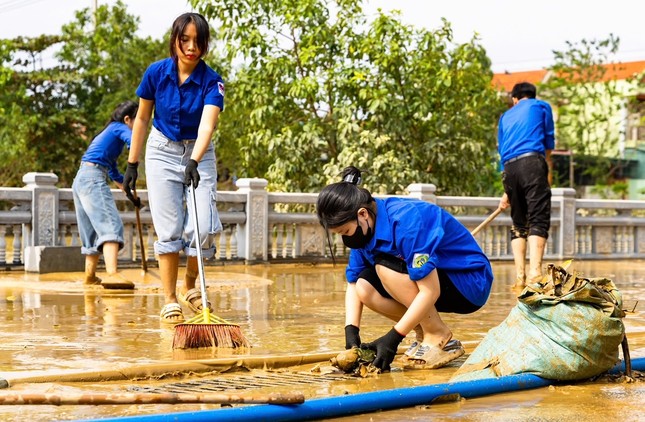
316,87
107,59
587,104
37,126
49,114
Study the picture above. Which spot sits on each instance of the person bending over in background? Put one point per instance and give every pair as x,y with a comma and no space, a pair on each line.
99,224
187,97
409,260
525,140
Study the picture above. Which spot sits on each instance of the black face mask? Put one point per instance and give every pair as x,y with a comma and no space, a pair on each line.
358,240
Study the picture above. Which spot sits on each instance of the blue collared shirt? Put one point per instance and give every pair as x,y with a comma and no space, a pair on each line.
426,237
178,108
526,127
106,147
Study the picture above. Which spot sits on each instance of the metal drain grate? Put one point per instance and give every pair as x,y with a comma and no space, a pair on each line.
243,382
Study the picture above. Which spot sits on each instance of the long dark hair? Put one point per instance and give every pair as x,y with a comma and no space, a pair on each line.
127,108
339,202
179,26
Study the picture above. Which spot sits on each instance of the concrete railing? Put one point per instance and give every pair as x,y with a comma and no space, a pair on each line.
261,226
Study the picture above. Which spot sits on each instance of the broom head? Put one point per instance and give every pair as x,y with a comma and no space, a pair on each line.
208,330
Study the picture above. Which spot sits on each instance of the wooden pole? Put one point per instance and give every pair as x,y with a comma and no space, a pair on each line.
149,398
487,221
144,264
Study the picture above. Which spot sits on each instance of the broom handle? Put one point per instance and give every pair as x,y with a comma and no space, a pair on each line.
484,223
144,264
198,246
148,398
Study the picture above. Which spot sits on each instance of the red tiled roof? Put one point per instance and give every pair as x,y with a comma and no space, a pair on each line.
506,81
620,71
615,71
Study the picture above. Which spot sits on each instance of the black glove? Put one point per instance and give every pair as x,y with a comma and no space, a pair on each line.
136,201
191,174
385,348
352,339
130,182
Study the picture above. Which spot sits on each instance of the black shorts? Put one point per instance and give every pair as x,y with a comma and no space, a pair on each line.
450,299
527,185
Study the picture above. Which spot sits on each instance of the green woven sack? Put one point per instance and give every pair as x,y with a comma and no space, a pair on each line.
565,328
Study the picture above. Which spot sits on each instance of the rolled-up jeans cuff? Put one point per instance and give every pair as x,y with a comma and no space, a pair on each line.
168,247
110,238
207,253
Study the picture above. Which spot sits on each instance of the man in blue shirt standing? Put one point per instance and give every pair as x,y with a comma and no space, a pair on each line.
525,140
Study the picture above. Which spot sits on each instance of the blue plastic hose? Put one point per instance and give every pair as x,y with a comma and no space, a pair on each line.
331,407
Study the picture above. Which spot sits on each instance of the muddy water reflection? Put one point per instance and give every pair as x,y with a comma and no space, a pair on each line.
50,322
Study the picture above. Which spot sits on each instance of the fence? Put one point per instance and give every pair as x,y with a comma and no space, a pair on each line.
262,226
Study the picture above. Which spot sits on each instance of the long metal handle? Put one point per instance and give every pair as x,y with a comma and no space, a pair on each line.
198,246
487,221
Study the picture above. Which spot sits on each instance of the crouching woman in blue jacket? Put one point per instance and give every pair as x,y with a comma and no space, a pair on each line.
409,261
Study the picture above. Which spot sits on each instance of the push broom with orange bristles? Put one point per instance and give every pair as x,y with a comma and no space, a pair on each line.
206,329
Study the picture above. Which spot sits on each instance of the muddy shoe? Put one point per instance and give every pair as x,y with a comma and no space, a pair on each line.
193,299
433,357
171,314
409,353
92,280
117,281
520,283
536,279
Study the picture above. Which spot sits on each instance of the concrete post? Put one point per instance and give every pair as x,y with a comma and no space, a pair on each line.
423,191
253,236
566,239
44,208
42,254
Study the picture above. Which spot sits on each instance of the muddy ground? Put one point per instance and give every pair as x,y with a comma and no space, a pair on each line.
62,338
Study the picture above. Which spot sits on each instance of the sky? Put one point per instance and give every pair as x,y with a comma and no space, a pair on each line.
517,35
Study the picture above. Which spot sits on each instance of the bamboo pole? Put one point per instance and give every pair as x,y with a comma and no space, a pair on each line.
149,398
163,369
486,221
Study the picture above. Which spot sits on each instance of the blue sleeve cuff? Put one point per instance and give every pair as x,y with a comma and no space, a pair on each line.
417,274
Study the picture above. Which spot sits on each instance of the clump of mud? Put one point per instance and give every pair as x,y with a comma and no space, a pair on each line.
356,361
620,378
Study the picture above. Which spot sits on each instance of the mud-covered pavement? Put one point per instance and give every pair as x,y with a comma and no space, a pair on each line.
62,338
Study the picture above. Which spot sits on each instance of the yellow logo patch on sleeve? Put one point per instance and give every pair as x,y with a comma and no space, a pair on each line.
420,260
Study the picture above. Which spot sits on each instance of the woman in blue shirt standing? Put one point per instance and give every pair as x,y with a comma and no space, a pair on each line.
99,224
409,260
187,97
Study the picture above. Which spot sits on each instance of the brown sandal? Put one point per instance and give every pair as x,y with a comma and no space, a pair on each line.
433,357
193,299
171,313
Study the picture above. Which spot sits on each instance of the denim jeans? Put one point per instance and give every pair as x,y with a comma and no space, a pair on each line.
96,213
169,198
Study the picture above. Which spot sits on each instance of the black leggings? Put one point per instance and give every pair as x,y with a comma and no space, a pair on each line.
450,298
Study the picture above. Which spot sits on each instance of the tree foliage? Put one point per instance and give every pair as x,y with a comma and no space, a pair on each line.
316,87
49,114
36,122
107,59
587,103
